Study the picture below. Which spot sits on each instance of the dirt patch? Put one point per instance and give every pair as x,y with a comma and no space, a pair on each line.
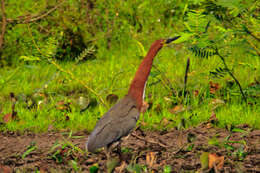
179,149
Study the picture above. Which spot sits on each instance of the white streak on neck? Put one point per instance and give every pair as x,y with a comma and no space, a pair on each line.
144,90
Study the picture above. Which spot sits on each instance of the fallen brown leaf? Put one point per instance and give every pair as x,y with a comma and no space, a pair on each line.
213,87
216,162
164,122
177,109
150,159
63,106
9,117
5,169
208,125
59,103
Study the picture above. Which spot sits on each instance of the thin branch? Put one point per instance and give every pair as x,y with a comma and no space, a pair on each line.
231,74
4,23
158,143
150,141
29,19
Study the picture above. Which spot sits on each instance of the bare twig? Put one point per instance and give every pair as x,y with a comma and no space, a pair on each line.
158,143
4,23
29,19
149,141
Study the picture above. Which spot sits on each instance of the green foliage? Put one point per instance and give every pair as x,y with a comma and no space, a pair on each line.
94,168
167,169
104,41
219,72
76,26
30,148
136,168
202,52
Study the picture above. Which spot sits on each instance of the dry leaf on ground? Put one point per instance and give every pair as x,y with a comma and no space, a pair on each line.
213,87
5,169
216,161
150,158
177,109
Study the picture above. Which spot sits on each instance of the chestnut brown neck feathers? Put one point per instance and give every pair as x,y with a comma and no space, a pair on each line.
137,86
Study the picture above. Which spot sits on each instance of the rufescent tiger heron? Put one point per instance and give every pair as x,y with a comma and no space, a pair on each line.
121,119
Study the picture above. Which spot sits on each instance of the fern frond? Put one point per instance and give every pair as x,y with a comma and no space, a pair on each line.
87,51
196,21
203,52
219,72
51,46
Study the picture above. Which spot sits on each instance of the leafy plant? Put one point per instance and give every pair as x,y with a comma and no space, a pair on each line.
136,168
94,168
29,149
219,72
167,169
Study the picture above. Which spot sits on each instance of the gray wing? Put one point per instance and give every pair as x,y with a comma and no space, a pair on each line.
116,123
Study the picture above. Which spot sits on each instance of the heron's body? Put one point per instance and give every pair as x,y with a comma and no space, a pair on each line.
115,124
122,117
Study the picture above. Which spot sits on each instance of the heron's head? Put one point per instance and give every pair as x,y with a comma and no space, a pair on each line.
158,44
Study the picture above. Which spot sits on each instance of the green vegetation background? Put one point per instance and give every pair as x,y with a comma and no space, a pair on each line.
61,59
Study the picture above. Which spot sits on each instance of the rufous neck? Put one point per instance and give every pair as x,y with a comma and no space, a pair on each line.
137,87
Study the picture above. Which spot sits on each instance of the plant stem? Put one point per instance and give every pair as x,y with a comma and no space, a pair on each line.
231,74
186,76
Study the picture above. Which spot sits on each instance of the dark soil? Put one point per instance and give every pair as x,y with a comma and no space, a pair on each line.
180,149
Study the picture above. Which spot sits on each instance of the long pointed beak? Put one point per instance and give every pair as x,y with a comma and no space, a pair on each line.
171,39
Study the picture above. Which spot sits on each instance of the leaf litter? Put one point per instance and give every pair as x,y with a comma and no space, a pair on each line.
152,151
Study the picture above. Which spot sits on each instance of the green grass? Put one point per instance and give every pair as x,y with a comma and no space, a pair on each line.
112,72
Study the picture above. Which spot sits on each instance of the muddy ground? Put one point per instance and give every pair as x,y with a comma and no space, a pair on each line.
180,149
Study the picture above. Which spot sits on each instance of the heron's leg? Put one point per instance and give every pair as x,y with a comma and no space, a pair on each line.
119,151
107,152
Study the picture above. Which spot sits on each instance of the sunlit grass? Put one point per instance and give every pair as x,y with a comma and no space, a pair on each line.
112,72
